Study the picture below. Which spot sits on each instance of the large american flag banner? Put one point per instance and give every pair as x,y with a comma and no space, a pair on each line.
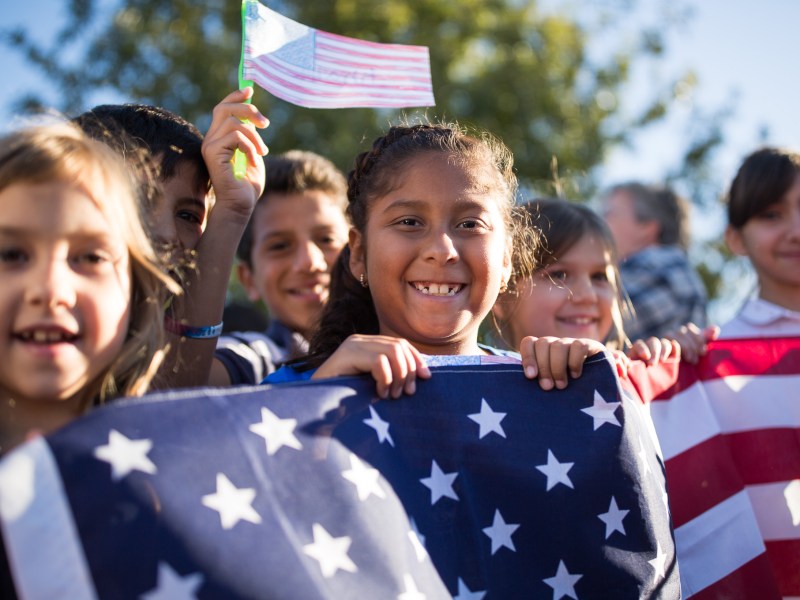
316,69
480,485
730,433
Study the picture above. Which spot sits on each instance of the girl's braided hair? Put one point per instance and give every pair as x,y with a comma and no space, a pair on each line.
377,172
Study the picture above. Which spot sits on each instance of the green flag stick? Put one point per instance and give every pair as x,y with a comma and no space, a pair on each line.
239,159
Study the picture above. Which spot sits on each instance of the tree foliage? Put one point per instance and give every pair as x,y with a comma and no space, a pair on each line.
501,65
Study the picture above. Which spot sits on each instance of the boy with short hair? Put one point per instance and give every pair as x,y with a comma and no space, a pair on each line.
285,256
199,208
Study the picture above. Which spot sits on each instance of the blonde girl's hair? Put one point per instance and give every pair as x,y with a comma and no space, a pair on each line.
379,170
562,224
62,152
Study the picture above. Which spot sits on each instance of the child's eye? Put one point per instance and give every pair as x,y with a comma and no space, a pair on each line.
189,217
470,224
328,240
557,275
93,258
408,222
277,247
770,215
601,276
12,256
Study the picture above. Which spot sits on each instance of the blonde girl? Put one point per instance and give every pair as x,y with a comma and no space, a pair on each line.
81,293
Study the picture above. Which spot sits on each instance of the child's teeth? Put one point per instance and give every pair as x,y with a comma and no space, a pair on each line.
438,289
39,336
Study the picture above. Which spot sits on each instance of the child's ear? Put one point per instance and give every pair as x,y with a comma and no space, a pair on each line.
358,263
733,238
507,268
245,275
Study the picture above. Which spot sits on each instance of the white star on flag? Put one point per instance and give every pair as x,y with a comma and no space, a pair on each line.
412,592
500,533
380,426
464,593
555,471
659,564
231,503
172,586
364,478
488,420
440,483
417,541
330,552
642,454
563,583
125,455
613,518
602,412
276,432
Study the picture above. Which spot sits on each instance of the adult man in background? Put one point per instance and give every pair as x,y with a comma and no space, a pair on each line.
650,225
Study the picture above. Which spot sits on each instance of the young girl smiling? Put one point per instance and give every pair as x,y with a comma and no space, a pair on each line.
764,226
82,295
432,245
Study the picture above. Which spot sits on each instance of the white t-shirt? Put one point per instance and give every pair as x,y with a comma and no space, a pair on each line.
759,318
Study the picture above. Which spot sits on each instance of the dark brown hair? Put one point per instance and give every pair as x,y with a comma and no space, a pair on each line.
761,181
561,224
377,172
296,172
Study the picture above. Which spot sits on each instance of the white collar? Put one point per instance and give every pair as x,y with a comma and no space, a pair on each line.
762,312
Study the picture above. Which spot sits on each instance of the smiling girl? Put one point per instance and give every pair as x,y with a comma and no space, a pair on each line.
81,296
764,225
575,289
431,247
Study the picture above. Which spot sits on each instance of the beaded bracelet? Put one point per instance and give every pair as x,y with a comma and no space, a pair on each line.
195,333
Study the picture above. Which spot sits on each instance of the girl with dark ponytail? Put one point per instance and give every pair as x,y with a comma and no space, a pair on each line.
435,239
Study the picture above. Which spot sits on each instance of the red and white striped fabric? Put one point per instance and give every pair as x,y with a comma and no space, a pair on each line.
729,430
316,69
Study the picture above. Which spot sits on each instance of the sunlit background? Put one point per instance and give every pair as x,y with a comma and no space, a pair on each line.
728,62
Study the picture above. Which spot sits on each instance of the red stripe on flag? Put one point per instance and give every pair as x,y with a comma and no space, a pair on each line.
759,356
357,51
369,44
272,69
785,558
765,455
701,478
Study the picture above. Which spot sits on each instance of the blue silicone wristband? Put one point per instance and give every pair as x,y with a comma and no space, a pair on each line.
195,333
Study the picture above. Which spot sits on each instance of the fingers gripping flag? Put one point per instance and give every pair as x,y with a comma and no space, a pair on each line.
479,485
316,69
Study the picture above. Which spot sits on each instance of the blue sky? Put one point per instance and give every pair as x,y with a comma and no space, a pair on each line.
741,51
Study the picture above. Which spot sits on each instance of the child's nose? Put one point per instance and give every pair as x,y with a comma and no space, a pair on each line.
582,290
310,257
50,285
440,248
794,224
